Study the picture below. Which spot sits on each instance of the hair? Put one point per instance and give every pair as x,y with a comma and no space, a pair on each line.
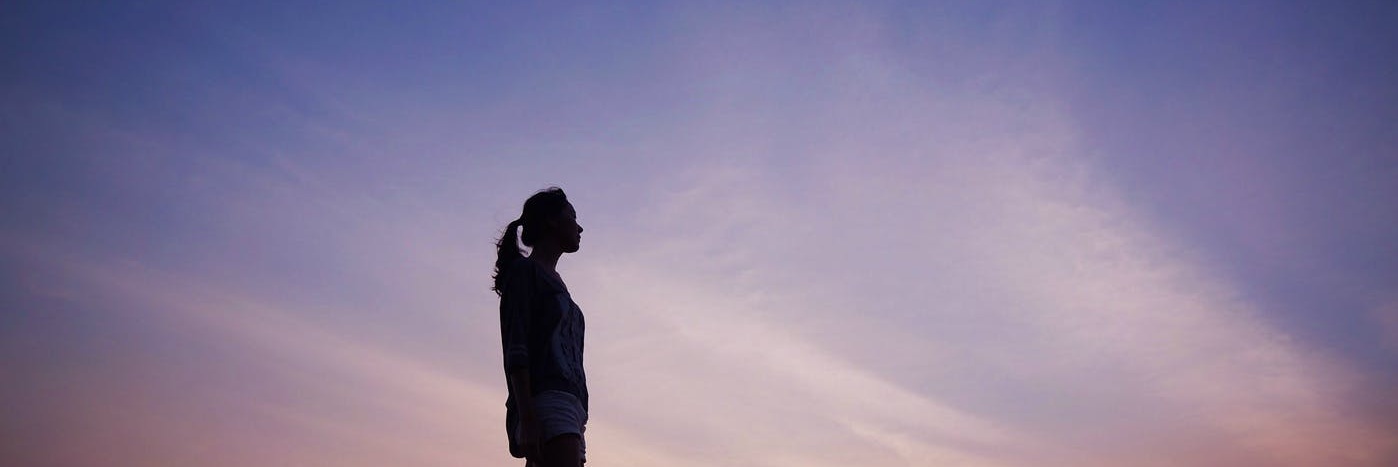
540,208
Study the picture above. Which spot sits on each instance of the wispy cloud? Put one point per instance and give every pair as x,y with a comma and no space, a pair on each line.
841,234
317,386
1042,277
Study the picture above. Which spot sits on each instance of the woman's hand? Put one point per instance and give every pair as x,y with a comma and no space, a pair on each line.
527,434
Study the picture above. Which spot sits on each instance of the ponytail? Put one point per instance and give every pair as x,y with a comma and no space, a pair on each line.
506,252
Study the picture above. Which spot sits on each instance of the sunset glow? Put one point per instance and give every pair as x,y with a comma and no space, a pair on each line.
817,233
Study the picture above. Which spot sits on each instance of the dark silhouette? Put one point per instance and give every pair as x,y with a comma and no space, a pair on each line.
541,332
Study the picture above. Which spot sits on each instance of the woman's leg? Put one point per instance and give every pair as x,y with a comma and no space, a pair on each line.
561,451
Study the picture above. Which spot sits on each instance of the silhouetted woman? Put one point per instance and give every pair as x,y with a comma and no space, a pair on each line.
541,330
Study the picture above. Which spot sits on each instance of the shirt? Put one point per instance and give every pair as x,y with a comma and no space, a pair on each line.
541,330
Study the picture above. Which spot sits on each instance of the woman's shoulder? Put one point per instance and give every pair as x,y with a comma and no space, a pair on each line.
522,263
528,268
523,268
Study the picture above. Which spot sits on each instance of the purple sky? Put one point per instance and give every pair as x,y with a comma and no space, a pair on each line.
818,233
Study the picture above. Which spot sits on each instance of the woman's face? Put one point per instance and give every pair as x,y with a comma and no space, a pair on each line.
568,231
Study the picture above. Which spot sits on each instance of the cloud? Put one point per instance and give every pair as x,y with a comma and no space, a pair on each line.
1071,322
838,237
299,390
709,371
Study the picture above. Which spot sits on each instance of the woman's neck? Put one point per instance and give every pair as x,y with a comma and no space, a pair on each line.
546,256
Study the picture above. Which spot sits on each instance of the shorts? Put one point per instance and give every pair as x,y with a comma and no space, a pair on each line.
559,413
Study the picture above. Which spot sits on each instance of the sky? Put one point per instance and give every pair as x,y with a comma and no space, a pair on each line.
822,233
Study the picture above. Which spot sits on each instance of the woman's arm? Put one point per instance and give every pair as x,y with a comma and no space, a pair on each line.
516,309
528,435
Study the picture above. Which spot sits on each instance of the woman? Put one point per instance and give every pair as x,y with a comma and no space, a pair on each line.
541,330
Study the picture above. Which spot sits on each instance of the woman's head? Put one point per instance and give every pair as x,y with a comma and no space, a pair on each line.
549,219
549,222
